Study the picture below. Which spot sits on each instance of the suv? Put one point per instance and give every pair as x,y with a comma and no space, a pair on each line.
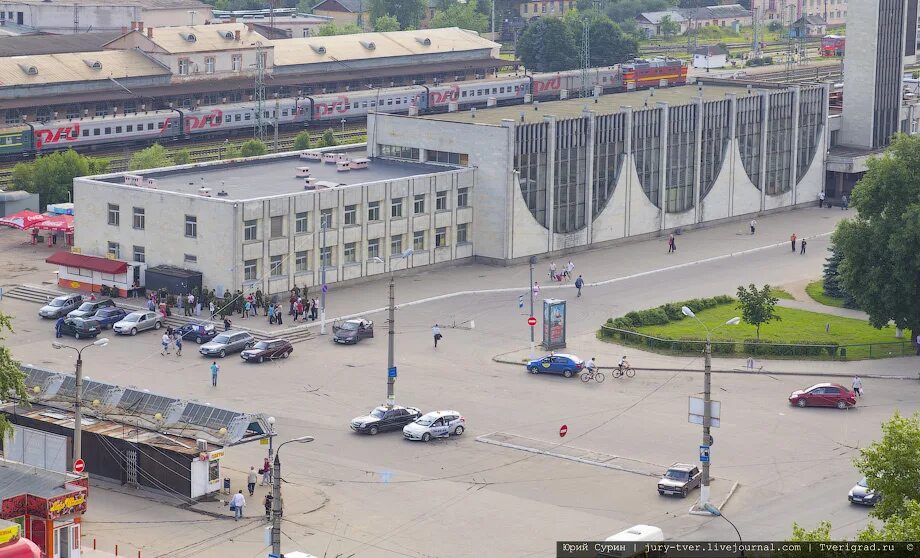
138,321
90,307
60,306
385,418
439,424
228,342
680,478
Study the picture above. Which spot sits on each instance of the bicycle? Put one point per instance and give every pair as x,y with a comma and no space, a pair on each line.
590,374
621,371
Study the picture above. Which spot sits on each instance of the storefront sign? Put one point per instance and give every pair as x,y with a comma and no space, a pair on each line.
66,505
10,533
216,454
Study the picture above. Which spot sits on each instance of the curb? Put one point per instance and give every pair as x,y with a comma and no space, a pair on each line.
731,491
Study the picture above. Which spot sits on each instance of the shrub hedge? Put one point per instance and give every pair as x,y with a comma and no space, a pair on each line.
666,313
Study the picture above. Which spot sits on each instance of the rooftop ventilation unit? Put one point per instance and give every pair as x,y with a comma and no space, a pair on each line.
318,49
94,64
29,69
189,37
424,41
227,35
369,45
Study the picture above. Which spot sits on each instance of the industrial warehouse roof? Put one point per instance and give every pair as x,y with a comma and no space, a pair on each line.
76,66
145,4
372,46
197,38
52,44
605,104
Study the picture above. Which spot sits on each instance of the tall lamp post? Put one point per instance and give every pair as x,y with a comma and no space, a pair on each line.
276,494
530,295
391,332
707,399
78,395
322,257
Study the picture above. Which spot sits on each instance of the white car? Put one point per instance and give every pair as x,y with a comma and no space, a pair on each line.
138,321
439,424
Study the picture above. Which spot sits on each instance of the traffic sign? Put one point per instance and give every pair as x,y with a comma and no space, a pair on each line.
391,372
563,430
520,299
79,466
531,321
711,441
704,454
325,288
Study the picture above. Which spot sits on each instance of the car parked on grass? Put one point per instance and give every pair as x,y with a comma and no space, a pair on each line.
109,316
268,350
138,321
227,342
384,418
861,494
437,424
823,395
680,478
80,328
90,307
60,306
567,365
199,333
352,331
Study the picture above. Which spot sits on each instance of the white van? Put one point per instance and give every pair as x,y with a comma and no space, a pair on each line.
634,537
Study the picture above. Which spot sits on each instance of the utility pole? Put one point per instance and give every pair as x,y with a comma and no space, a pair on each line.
585,55
276,506
277,120
260,93
78,412
76,19
391,341
322,304
530,295
707,420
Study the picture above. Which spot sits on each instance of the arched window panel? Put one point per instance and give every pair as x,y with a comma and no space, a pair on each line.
569,194
646,146
681,161
748,134
530,161
780,129
812,107
609,152
716,130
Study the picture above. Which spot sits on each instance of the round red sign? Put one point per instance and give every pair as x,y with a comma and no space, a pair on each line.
531,321
79,466
563,430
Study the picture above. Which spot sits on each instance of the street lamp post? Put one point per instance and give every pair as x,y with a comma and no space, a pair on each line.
391,331
707,399
717,512
78,395
343,125
271,435
530,295
322,304
276,494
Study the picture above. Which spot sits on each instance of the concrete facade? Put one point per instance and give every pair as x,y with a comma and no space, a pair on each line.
88,15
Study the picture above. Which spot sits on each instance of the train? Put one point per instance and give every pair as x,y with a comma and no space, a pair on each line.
167,124
833,45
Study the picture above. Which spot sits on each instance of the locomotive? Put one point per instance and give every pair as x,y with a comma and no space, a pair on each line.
174,123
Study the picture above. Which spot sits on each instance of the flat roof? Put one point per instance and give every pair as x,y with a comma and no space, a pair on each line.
606,104
18,478
273,176
67,67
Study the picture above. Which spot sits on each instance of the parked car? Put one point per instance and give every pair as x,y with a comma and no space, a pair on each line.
823,395
383,418
60,306
266,350
352,331
863,495
567,365
199,333
680,478
80,328
227,342
437,424
90,307
138,321
109,316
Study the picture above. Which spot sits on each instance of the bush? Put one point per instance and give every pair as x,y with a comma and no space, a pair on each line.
792,349
302,140
253,148
670,312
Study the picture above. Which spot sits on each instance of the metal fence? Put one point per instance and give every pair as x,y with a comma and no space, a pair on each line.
754,348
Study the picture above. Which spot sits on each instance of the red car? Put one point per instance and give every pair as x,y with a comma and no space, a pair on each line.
824,395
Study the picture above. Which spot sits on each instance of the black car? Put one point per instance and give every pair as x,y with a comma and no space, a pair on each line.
108,316
385,418
199,333
80,328
90,307
352,331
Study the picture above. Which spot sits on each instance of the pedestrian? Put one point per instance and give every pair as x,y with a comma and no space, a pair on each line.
211,309
165,342
315,311
268,506
58,325
178,338
672,246
293,300
569,268
552,271
857,386
844,202
251,480
215,368
803,243
266,472
247,306
190,304
227,323
151,305
278,314
436,333
271,314
237,503
579,283
307,309
821,198
535,290
792,240
753,226
918,344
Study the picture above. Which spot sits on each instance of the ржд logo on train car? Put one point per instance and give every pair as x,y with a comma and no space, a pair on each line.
444,97
64,133
552,84
211,120
340,105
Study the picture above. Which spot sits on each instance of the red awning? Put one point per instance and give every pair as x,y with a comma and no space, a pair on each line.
23,220
103,265
57,223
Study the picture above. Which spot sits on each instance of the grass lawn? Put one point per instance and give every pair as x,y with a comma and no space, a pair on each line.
796,325
781,294
815,290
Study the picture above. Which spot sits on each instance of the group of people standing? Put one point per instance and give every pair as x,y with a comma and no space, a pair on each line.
564,275
238,501
170,339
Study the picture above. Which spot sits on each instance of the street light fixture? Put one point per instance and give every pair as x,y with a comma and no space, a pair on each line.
276,494
78,394
391,331
530,295
717,512
707,399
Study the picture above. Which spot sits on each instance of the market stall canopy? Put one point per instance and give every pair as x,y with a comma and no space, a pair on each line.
24,219
56,223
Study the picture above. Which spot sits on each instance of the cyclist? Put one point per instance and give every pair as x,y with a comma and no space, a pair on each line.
623,364
591,366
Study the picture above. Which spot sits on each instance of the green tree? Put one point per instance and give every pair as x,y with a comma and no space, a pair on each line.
464,16
832,285
152,157
328,138
668,27
409,13
331,29
253,148
897,528
881,263
892,465
182,157
386,23
302,140
51,176
232,152
547,45
757,307
12,379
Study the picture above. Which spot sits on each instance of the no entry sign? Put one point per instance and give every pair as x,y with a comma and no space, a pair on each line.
79,466
563,430
531,321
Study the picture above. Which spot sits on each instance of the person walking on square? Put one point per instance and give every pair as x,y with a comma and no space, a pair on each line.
165,342
552,271
266,472
268,506
535,290
569,268
60,324
315,310
792,240
844,202
753,226
178,338
803,243
579,283
436,333
211,309
672,246
857,386
251,480
271,314
247,307
278,313
237,503
228,323
215,368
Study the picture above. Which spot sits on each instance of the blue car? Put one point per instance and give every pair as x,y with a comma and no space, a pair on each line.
109,315
199,333
567,365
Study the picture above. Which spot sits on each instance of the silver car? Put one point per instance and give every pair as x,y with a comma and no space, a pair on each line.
438,424
60,306
138,321
228,342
